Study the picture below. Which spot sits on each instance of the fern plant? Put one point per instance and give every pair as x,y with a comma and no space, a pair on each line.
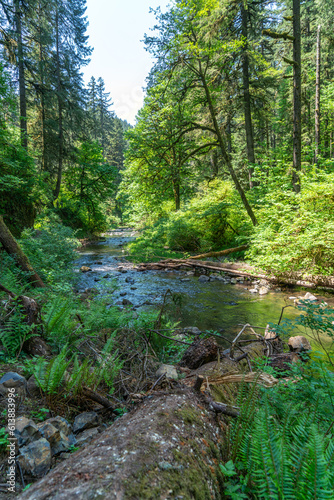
285,442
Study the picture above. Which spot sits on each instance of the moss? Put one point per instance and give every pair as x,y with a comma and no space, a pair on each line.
189,483
190,416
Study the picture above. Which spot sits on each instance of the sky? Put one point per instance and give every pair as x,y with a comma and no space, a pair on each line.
116,28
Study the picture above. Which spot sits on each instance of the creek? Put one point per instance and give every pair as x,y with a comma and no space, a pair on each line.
212,305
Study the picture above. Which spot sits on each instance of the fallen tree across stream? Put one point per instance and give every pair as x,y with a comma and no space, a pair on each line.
241,269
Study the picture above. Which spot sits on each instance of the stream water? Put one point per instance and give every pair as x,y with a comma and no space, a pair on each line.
213,305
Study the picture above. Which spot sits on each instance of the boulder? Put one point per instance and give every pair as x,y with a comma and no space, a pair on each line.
85,437
26,431
199,353
263,290
35,458
299,344
62,425
12,380
58,441
85,269
168,370
85,420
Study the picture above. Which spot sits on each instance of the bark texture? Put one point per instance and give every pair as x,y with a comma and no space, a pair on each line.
167,448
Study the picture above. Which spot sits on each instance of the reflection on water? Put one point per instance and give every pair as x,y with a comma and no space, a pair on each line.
209,306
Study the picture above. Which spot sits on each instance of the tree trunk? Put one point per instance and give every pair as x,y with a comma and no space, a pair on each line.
12,248
60,111
297,136
317,97
22,85
224,152
247,103
171,442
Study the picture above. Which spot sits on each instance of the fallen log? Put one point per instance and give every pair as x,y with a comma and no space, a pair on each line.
14,250
243,269
169,443
221,253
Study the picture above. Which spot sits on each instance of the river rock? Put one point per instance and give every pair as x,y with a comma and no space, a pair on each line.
199,353
122,294
185,279
85,420
12,380
99,263
253,290
263,290
106,276
234,281
26,431
203,278
129,280
168,370
126,302
309,296
299,344
85,269
35,458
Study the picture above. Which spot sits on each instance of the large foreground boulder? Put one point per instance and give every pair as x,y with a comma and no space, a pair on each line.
168,448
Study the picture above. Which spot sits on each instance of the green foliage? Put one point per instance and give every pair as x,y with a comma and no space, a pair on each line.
41,414
210,220
89,184
67,376
296,232
50,248
4,442
284,438
15,330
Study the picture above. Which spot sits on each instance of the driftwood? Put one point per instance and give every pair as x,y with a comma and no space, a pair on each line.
241,269
231,411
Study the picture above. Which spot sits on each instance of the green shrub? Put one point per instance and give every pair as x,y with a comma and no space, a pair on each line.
50,248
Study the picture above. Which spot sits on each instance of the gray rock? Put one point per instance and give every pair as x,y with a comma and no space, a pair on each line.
99,263
86,436
185,279
26,431
12,380
299,344
192,330
107,276
63,426
129,280
168,370
85,420
309,296
234,281
133,288
263,290
122,294
203,278
253,290
35,458
58,441
33,388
